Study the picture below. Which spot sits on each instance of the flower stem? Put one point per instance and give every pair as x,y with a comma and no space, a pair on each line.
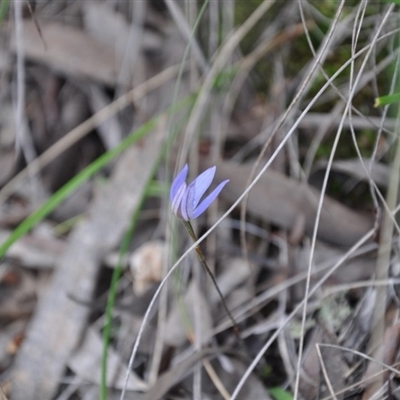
203,262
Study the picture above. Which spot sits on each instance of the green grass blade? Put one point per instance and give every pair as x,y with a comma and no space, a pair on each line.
389,99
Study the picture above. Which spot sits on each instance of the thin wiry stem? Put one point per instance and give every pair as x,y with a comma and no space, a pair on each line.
321,199
304,88
368,236
203,262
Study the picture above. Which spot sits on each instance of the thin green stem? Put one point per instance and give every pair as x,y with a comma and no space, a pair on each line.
203,262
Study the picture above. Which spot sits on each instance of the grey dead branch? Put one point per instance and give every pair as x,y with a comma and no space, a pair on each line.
68,51
359,170
62,312
280,200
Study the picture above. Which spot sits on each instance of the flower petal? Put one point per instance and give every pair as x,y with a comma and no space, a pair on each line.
177,200
201,184
178,181
207,201
187,203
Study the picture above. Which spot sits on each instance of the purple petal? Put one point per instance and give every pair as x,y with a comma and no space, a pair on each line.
177,200
201,184
208,200
187,203
178,181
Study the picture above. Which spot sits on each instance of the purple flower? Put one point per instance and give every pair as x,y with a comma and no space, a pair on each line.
185,198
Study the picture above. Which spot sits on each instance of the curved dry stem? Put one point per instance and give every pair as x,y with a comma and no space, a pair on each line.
303,89
368,236
337,111
234,205
321,199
